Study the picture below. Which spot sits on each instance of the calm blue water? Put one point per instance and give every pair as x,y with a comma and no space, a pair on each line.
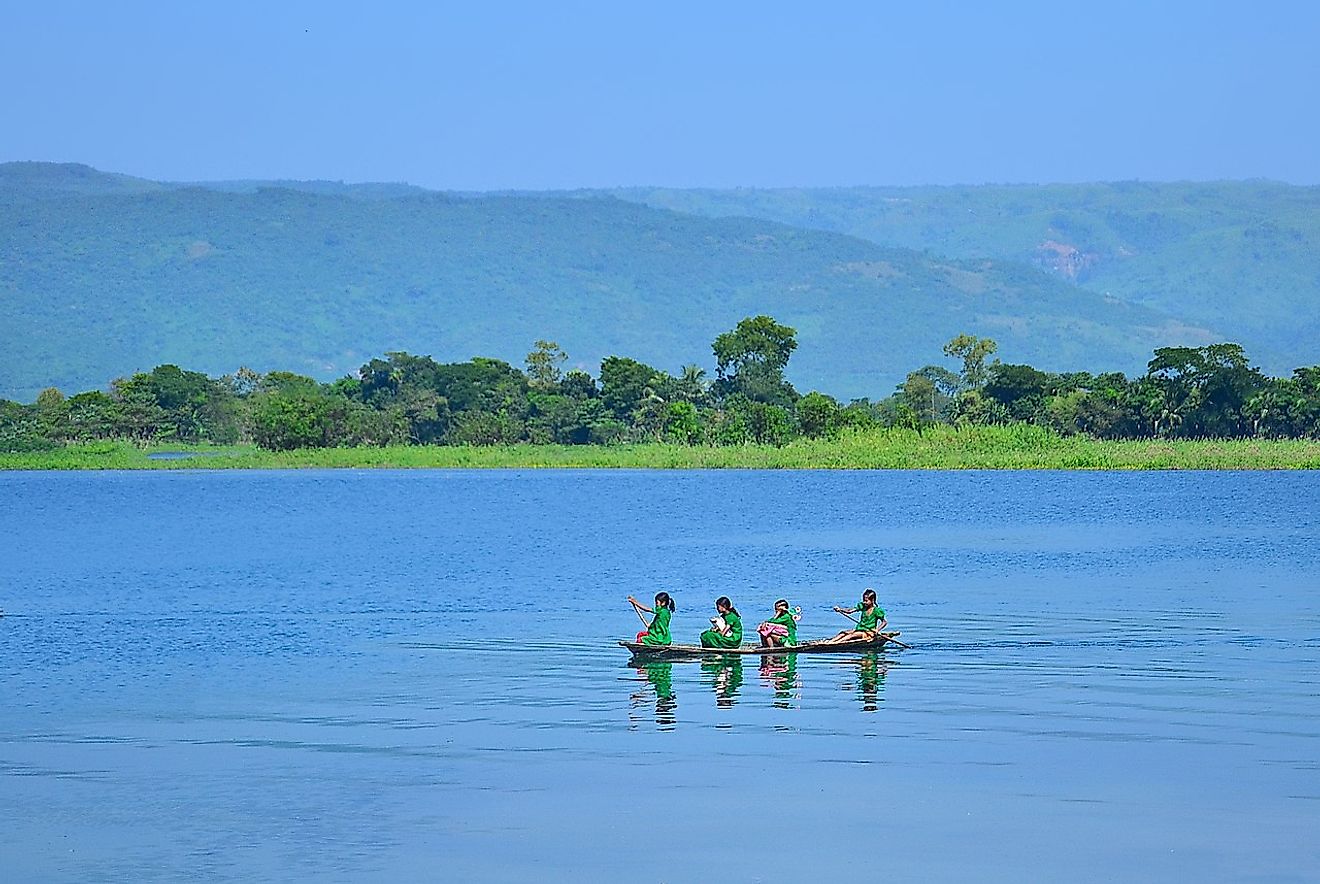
349,675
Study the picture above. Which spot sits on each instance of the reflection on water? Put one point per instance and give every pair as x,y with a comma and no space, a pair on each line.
724,674
779,673
870,679
660,676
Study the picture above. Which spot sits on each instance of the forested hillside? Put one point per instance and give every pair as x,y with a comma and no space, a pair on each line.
1239,256
105,275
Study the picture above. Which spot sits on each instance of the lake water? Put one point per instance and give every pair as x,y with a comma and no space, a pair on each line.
380,675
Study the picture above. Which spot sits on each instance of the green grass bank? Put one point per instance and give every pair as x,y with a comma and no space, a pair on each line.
939,448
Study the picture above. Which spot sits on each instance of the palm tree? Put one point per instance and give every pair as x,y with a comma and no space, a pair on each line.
692,384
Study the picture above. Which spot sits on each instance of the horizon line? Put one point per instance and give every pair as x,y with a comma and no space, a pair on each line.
202,182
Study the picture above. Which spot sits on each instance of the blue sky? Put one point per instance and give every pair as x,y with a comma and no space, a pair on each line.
555,95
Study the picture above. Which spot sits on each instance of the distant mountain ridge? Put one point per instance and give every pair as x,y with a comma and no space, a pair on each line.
36,180
102,275
1243,256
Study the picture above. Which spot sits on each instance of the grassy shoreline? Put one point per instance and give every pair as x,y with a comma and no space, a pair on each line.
942,448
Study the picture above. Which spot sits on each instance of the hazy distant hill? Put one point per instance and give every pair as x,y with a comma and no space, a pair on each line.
31,180
1240,256
26,181
372,190
99,283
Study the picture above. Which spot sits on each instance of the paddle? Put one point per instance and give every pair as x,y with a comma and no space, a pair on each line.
637,609
886,637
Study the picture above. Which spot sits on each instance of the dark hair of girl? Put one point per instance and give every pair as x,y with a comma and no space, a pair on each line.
662,600
723,602
783,602
868,594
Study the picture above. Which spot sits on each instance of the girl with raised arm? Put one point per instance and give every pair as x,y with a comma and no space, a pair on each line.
870,620
657,632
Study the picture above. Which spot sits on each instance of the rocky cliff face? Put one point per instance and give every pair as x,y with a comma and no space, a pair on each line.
1065,260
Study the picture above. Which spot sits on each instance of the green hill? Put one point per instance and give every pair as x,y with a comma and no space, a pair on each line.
33,180
111,275
1240,256
30,181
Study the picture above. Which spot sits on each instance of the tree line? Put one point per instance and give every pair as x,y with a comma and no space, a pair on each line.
1186,392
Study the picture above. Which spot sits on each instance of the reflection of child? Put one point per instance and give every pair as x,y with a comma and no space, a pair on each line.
726,674
658,632
780,629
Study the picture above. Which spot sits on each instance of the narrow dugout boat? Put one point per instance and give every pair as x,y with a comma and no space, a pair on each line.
671,652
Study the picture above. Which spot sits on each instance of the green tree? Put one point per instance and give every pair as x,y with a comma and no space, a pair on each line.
972,408
682,423
381,382
52,412
20,429
750,360
929,393
183,405
1062,413
285,419
758,422
93,415
1287,407
905,416
1021,389
486,428
1304,409
543,363
579,385
287,382
1205,390
561,419
690,386
1104,416
424,416
141,416
728,425
359,424
483,384
648,418
973,352
859,414
818,415
625,383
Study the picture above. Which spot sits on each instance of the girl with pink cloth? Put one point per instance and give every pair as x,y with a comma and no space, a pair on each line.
781,629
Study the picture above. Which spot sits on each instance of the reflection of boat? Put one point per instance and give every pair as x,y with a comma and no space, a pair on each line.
818,647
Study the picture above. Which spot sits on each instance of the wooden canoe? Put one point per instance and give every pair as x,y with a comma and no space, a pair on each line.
817,647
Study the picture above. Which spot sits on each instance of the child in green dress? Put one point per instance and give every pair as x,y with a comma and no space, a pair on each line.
657,633
780,629
726,629
870,620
